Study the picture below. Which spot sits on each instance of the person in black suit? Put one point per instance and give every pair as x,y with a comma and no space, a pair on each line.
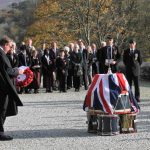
110,56
84,53
132,60
94,63
76,59
35,68
14,60
24,60
9,99
13,57
99,58
62,71
47,71
53,53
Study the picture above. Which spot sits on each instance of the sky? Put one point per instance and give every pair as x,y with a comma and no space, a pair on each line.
5,3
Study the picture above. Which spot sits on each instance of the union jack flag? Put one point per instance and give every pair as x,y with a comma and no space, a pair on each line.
104,91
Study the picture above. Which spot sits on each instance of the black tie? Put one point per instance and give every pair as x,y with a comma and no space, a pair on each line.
109,52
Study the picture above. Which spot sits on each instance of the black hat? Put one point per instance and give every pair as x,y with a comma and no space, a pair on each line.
131,41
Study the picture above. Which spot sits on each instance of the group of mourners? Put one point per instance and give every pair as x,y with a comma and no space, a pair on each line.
74,65
63,68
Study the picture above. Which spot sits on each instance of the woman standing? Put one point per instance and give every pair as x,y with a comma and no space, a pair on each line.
35,67
47,71
62,70
76,59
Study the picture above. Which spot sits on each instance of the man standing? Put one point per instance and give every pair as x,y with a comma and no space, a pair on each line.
94,63
12,56
53,53
132,60
110,56
99,58
9,99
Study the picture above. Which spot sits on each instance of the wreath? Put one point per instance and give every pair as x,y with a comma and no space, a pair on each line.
24,79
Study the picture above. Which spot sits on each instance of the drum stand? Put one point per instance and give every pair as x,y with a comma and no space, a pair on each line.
123,104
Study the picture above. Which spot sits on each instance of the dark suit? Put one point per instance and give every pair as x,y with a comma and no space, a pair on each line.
9,99
100,62
35,84
94,63
132,63
85,67
24,59
14,60
62,72
105,55
53,55
76,59
47,71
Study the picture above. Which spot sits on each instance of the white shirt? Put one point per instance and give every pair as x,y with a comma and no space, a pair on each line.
2,48
47,58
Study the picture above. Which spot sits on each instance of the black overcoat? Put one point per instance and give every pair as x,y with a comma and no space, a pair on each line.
115,55
7,87
132,62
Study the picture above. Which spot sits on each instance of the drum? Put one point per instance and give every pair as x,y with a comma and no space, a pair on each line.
92,124
108,125
128,123
123,105
92,119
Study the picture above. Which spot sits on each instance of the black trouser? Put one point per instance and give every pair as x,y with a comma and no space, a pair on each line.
62,81
85,78
135,79
94,69
70,78
76,82
3,109
49,81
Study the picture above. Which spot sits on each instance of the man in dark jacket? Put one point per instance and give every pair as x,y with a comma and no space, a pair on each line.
9,99
13,57
132,60
110,56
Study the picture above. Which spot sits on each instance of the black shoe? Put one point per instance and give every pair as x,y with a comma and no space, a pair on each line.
50,91
54,89
86,88
5,138
77,90
36,91
138,100
28,92
19,92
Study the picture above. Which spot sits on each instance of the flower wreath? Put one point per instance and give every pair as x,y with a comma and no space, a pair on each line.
24,79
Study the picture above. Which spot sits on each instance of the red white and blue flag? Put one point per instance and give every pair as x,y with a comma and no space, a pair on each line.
104,91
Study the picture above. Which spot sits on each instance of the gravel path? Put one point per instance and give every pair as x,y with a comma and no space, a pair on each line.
56,121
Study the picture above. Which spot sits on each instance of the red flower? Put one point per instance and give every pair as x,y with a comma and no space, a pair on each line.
29,78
